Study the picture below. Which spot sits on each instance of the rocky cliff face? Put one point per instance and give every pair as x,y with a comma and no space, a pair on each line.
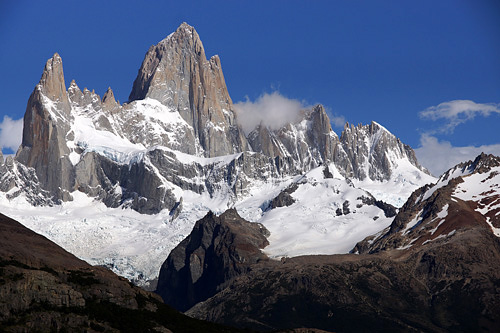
371,151
17,179
361,152
218,249
307,142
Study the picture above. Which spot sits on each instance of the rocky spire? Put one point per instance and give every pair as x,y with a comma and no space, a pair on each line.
52,81
46,123
177,73
109,98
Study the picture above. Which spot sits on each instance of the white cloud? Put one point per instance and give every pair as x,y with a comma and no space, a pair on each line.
11,133
458,112
273,110
338,121
438,156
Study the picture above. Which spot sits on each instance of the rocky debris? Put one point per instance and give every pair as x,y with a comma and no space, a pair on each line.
218,249
44,288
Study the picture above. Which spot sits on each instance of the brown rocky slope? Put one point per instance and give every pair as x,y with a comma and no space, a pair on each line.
445,286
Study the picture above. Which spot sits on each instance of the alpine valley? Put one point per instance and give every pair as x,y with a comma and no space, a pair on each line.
251,229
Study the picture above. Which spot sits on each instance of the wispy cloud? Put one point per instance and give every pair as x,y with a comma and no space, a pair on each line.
274,110
458,112
438,156
11,132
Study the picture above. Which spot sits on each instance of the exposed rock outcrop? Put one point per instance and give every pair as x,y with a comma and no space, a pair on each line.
17,179
362,152
218,249
284,199
371,152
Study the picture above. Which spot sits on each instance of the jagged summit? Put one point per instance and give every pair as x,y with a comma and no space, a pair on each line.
180,101
374,151
52,80
481,164
109,97
176,73
184,42
43,145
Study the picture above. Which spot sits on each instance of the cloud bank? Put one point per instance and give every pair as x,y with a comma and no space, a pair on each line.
273,110
438,156
458,112
11,133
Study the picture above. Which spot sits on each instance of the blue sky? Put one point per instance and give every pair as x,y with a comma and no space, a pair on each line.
429,71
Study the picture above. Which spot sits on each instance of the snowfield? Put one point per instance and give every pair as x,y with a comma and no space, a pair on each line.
135,245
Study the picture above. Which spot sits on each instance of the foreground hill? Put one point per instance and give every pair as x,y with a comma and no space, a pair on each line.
44,288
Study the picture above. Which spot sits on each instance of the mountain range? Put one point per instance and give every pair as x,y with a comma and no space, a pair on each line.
176,150
160,190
